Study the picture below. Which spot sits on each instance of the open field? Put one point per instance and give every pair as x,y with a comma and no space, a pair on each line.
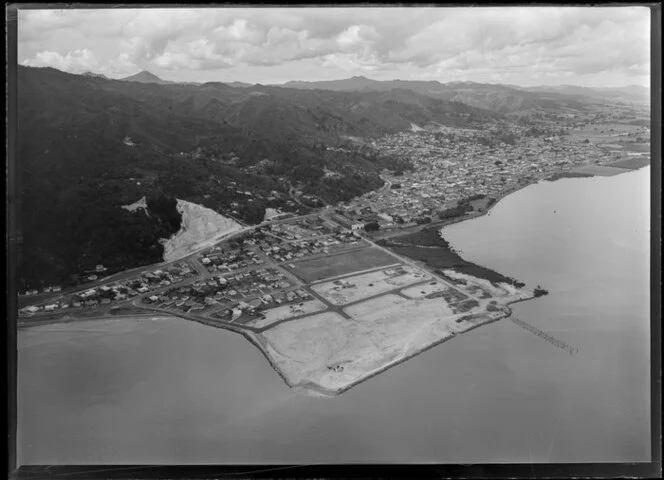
284,312
480,204
341,264
632,163
396,309
351,289
636,147
599,170
567,174
421,291
626,147
604,131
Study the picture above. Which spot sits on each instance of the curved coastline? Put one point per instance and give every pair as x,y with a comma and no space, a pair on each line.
549,177
254,336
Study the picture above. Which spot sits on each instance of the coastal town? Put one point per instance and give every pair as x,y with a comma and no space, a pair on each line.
236,278
456,173
455,166
274,236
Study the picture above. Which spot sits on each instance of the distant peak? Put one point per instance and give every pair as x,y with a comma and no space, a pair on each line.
145,73
145,77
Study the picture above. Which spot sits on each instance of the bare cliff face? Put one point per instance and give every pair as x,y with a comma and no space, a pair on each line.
201,227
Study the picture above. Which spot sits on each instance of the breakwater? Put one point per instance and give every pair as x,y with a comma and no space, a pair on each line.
552,340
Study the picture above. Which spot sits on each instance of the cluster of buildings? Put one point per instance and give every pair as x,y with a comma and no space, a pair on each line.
90,276
120,291
220,291
286,251
455,164
303,228
250,309
220,260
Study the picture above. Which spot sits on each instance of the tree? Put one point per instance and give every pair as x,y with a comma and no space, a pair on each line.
252,212
371,226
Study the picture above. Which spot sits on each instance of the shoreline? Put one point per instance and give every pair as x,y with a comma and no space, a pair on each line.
254,337
333,393
539,178
439,225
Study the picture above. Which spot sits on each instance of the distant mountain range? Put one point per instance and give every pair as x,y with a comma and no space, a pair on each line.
495,97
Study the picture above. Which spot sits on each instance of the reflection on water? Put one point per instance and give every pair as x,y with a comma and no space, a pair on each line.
171,391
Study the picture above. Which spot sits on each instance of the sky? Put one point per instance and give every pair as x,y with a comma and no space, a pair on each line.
527,46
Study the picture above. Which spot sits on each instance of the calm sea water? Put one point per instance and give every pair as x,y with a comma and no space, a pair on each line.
132,391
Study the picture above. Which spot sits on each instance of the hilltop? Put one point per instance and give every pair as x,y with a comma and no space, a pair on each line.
145,77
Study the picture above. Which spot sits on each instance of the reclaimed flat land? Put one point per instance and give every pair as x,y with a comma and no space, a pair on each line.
273,315
368,284
341,263
421,291
632,163
428,247
327,353
394,308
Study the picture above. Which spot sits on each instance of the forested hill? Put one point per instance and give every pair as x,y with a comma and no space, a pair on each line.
87,145
498,98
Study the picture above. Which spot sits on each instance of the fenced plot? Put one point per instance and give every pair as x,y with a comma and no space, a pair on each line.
358,287
341,264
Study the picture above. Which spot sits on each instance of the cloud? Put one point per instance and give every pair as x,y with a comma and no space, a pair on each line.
77,61
411,42
122,65
200,54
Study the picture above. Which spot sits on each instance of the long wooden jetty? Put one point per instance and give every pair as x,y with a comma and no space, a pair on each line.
552,340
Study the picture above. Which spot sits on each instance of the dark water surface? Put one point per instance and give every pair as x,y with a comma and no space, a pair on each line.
132,391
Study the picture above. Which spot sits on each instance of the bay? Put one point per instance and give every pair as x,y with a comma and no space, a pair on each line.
170,391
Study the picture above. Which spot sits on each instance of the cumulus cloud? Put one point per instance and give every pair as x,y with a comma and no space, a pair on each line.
434,43
200,54
77,61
